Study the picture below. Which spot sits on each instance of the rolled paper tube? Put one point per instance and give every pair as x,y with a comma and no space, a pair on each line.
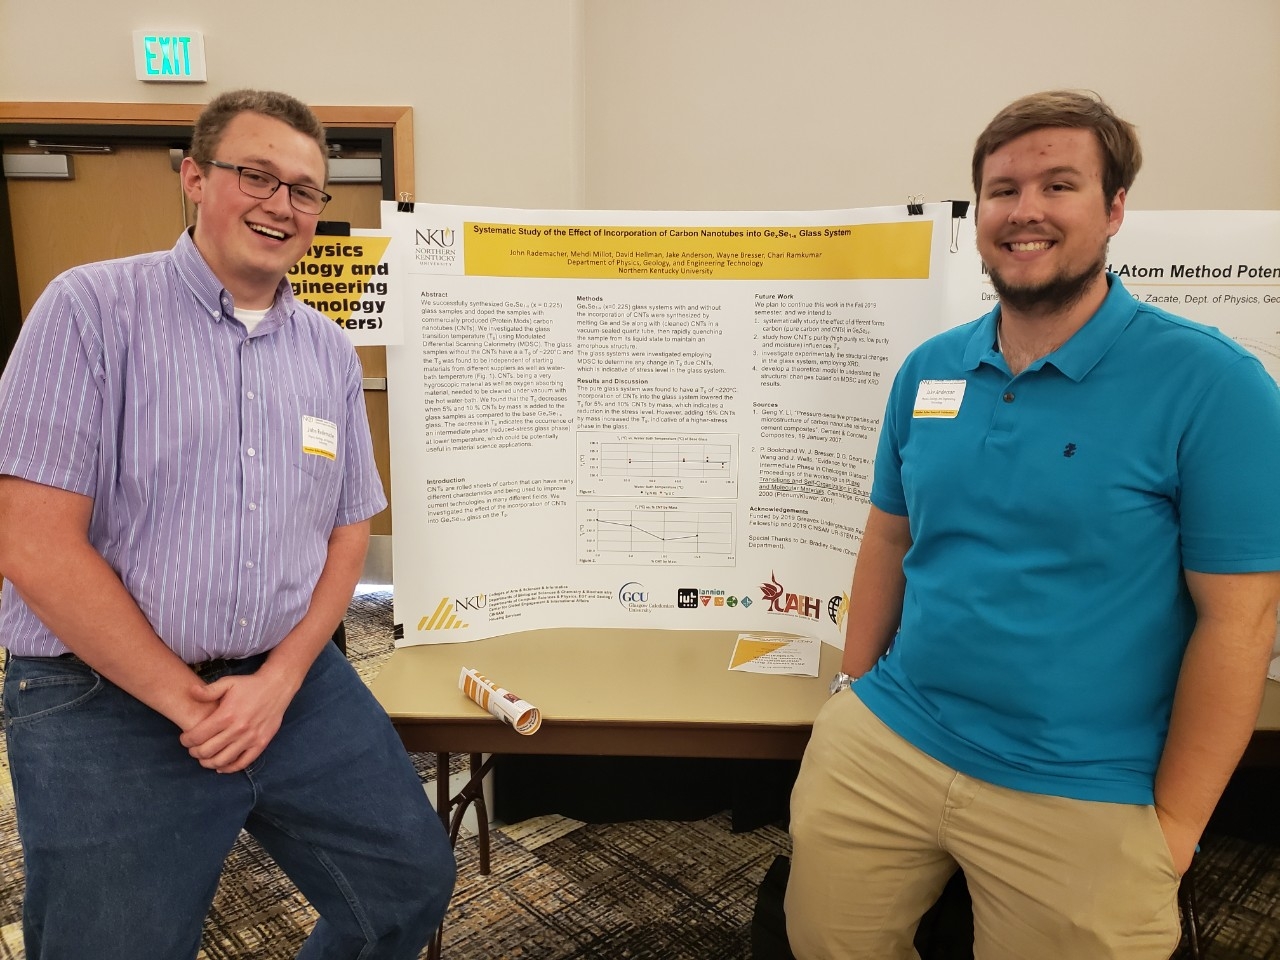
518,714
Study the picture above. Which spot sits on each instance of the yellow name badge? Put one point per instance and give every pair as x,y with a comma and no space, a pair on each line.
320,437
939,399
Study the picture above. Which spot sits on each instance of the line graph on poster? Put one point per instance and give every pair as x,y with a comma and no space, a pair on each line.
622,464
690,534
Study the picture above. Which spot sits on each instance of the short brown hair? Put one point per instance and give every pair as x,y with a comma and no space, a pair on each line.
222,109
1121,154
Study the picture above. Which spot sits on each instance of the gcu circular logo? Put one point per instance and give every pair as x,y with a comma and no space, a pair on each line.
633,594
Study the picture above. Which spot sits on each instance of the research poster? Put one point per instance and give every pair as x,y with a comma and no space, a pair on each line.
644,419
1217,267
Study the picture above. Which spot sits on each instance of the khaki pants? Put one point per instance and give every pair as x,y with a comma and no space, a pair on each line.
878,827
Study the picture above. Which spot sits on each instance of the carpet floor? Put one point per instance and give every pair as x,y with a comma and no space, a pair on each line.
644,890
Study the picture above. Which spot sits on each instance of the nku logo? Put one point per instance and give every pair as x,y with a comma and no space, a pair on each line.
435,237
447,613
434,247
633,595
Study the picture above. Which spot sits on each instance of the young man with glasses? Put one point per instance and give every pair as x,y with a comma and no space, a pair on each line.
186,484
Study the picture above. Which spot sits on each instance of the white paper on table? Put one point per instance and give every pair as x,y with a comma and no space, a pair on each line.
1274,670
781,654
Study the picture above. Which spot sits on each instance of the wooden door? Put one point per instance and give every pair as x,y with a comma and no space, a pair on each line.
118,204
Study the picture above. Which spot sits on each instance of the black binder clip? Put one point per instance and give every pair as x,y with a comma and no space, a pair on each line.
959,210
915,206
397,631
405,203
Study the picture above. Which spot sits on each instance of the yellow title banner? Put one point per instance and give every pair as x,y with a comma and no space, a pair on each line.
865,251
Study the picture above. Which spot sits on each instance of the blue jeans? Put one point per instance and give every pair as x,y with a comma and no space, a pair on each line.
124,834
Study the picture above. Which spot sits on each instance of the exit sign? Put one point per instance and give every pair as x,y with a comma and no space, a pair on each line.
169,56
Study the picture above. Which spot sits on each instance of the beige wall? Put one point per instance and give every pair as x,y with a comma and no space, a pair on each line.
709,104
725,104
495,85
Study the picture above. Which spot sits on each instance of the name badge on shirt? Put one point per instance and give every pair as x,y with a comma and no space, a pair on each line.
320,437
939,399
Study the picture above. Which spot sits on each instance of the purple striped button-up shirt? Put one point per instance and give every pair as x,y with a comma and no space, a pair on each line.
218,462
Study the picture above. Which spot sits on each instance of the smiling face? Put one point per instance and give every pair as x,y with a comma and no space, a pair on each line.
1043,222
250,244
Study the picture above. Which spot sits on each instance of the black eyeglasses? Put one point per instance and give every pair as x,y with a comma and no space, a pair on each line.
262,186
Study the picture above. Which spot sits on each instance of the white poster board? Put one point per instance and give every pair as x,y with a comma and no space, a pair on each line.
638,418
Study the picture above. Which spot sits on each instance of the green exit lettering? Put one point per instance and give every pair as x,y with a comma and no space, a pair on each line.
168,56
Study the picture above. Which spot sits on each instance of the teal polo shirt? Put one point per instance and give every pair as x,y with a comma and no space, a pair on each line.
1052,515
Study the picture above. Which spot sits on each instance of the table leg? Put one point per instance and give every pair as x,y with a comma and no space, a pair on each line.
443,801
473,793
478,772
451,809
443,804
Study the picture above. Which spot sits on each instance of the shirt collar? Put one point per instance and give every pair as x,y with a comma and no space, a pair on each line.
982,345
216,299
1081,352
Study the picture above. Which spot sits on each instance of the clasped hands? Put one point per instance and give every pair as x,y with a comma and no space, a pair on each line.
234,718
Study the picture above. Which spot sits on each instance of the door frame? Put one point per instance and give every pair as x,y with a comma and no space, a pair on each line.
391,125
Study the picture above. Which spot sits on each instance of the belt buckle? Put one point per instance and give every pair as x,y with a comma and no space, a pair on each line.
207,668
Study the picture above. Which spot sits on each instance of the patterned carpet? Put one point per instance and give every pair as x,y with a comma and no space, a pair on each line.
645,890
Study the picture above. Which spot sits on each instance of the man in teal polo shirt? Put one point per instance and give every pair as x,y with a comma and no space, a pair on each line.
1064,599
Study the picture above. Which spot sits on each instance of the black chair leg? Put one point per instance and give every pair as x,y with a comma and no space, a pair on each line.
340,637
1190,912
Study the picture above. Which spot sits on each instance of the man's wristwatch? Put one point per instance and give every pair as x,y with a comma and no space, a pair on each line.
840,681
